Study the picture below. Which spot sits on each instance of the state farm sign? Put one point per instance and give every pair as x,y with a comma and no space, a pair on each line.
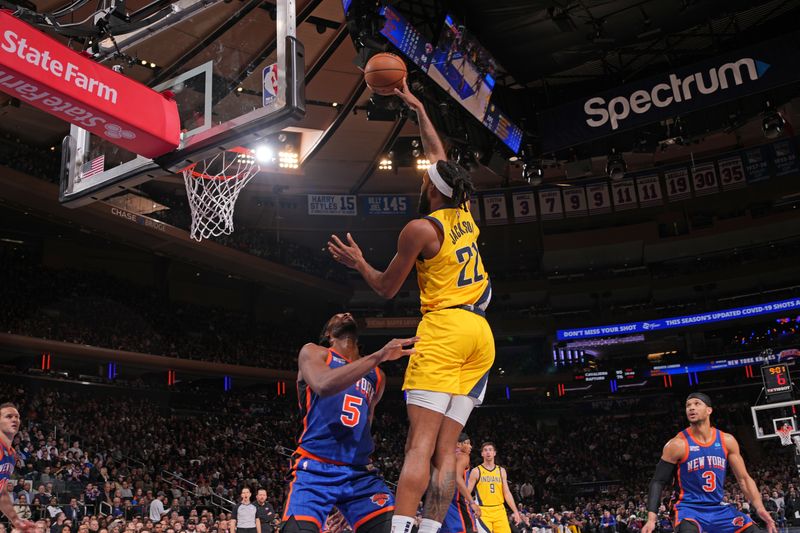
39,70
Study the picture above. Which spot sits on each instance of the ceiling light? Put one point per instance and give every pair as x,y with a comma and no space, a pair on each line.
264,153
422,164
772,123
532,172
385,164
616,166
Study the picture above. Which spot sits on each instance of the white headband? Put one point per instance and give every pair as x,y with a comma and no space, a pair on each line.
437,180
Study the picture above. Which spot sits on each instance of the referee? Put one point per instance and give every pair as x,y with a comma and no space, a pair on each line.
243,517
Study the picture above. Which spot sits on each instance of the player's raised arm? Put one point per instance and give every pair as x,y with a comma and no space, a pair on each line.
413,239
673,452
326,381
431,143
746,483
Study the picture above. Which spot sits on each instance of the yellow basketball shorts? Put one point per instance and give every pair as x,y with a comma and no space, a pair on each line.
494,519
454,354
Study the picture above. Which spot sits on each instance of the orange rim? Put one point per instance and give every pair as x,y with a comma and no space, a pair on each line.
221,177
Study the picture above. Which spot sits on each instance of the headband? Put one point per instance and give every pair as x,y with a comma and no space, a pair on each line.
705,398
439,182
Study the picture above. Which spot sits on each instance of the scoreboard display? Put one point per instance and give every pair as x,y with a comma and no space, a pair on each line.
777,380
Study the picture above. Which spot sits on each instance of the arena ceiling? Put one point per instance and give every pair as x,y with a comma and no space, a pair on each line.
550,52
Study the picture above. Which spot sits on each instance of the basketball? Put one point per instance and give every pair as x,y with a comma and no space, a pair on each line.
384,73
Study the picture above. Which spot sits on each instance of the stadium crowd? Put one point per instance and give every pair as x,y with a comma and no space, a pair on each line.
87,308
101,462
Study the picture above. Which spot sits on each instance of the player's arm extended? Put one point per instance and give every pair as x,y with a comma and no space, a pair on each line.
431,143
673,452
746,483
414,237
508,496
326,381
462,463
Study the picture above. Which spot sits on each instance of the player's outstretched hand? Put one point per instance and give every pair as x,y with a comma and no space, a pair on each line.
408,97
516,518
768,521
395,349
24,526
347,254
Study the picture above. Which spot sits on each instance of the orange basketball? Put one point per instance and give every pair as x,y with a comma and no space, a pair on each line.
384,73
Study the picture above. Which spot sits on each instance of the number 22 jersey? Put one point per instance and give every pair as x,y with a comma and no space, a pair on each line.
455,275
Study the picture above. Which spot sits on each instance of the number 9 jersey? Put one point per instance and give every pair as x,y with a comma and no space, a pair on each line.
456,349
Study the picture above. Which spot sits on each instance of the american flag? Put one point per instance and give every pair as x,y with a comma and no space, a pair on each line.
95,166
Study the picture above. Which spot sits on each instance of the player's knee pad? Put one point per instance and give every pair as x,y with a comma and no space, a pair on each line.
299,526
377,524
687,526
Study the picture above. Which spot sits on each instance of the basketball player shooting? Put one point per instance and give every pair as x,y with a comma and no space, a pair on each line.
459,517
700,455
9,426
446,377
338,390
490,482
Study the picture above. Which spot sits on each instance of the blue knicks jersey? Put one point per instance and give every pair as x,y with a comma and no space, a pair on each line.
7,462
336,428
701,472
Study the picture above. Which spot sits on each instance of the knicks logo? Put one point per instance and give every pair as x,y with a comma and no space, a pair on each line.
380,499
738,521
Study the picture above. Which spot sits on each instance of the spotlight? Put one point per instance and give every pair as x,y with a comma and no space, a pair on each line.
385,164
288,160
263,153
532,172
414,143
772,123
422,164
616,167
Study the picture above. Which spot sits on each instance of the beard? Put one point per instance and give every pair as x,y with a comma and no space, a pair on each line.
424,205
346,328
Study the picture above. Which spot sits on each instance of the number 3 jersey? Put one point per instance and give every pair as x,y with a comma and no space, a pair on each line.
701,472
454,276
336,428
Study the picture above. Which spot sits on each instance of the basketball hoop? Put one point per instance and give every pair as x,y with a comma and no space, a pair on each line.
785,433
212,187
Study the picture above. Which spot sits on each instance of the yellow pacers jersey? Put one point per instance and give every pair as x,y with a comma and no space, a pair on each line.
489,487
454,276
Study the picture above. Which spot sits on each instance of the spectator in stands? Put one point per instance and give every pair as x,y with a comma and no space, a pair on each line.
22,508
608,524
157,510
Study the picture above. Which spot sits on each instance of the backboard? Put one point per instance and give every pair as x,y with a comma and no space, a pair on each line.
237,74
768,418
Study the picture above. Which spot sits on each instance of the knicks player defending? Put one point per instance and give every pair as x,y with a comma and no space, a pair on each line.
446,377
491,485
700,454
9,425
459,517
337,391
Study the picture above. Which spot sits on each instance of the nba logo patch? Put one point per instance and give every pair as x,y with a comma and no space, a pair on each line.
380,499
269,79
738,521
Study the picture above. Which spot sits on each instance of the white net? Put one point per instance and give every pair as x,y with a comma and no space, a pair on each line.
785,433
212,187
